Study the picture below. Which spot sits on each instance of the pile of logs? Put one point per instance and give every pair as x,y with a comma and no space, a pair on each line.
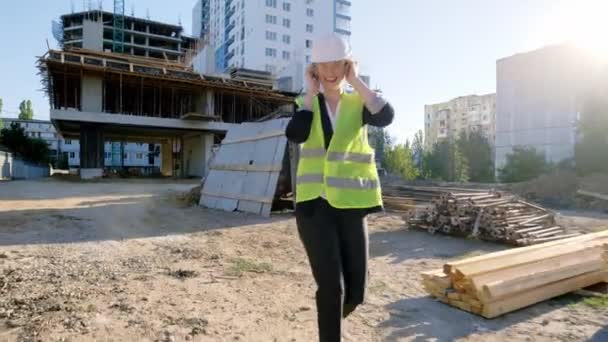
487,215
406,198
497,283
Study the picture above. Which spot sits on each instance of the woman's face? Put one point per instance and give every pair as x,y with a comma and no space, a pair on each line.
331,74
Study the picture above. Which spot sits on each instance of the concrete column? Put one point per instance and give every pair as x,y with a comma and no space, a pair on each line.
197,152
91,93
91,151
210,102
166,158
132,37
147,40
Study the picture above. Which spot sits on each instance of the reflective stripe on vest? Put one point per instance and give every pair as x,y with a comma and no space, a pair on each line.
312,153
351,156
310,178
350,183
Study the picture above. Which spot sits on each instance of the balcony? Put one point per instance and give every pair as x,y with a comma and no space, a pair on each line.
229,28
229,14
230,41
343,8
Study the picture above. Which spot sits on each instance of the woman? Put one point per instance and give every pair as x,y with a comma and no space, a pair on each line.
337,183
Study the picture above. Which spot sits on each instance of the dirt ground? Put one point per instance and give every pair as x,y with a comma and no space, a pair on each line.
123,261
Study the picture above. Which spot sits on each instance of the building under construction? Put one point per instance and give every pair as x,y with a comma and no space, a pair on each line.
140,96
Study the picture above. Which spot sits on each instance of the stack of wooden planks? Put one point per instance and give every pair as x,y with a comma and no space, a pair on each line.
493,284
488,215
405,198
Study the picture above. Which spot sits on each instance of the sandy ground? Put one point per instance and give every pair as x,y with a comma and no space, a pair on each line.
123,261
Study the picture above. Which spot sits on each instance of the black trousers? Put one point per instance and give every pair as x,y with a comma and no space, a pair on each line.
336,243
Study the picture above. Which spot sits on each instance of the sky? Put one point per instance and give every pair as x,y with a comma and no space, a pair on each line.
416,51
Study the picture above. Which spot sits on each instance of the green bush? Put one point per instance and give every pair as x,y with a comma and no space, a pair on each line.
523,164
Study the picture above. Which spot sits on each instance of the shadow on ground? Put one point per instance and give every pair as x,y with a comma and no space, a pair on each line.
402,245
156,214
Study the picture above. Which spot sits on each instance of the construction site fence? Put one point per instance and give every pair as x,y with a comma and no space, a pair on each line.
15,168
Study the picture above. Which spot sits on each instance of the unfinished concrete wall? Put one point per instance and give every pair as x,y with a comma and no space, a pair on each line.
92,35
197,151
92,86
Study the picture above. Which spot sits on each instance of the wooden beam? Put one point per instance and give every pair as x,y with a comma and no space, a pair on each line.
542,293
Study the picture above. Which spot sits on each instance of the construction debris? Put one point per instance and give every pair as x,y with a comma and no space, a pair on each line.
251,170
487,215
493,284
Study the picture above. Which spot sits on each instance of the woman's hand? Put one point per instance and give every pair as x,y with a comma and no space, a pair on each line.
352,72
313,86
312,80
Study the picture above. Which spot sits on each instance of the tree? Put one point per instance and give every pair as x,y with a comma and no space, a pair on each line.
33,150
418,149
523,164
445,162
478,152
26,112
460,166
380,141
399,161
591,150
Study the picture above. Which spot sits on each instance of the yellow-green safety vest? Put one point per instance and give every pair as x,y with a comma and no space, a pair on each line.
345,172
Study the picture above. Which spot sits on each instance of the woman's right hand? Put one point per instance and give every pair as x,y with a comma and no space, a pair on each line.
313,86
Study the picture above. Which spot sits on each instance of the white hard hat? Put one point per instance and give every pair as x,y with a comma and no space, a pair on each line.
330,48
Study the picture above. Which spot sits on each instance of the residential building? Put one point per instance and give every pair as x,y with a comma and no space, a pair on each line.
540,95
448,120
268,35
98,96
134,154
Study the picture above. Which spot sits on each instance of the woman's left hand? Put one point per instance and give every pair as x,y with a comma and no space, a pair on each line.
352,72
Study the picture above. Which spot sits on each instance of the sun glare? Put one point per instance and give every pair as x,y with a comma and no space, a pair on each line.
581,23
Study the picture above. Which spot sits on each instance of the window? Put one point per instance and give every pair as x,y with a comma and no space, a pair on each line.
72,155
286,55
308,43
270,68
308,2
140,156
271,35
307,59
125,155
309,28
271,52
286,6
271,19
68,141
286,39
271,3
310,12
287,23
108,155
